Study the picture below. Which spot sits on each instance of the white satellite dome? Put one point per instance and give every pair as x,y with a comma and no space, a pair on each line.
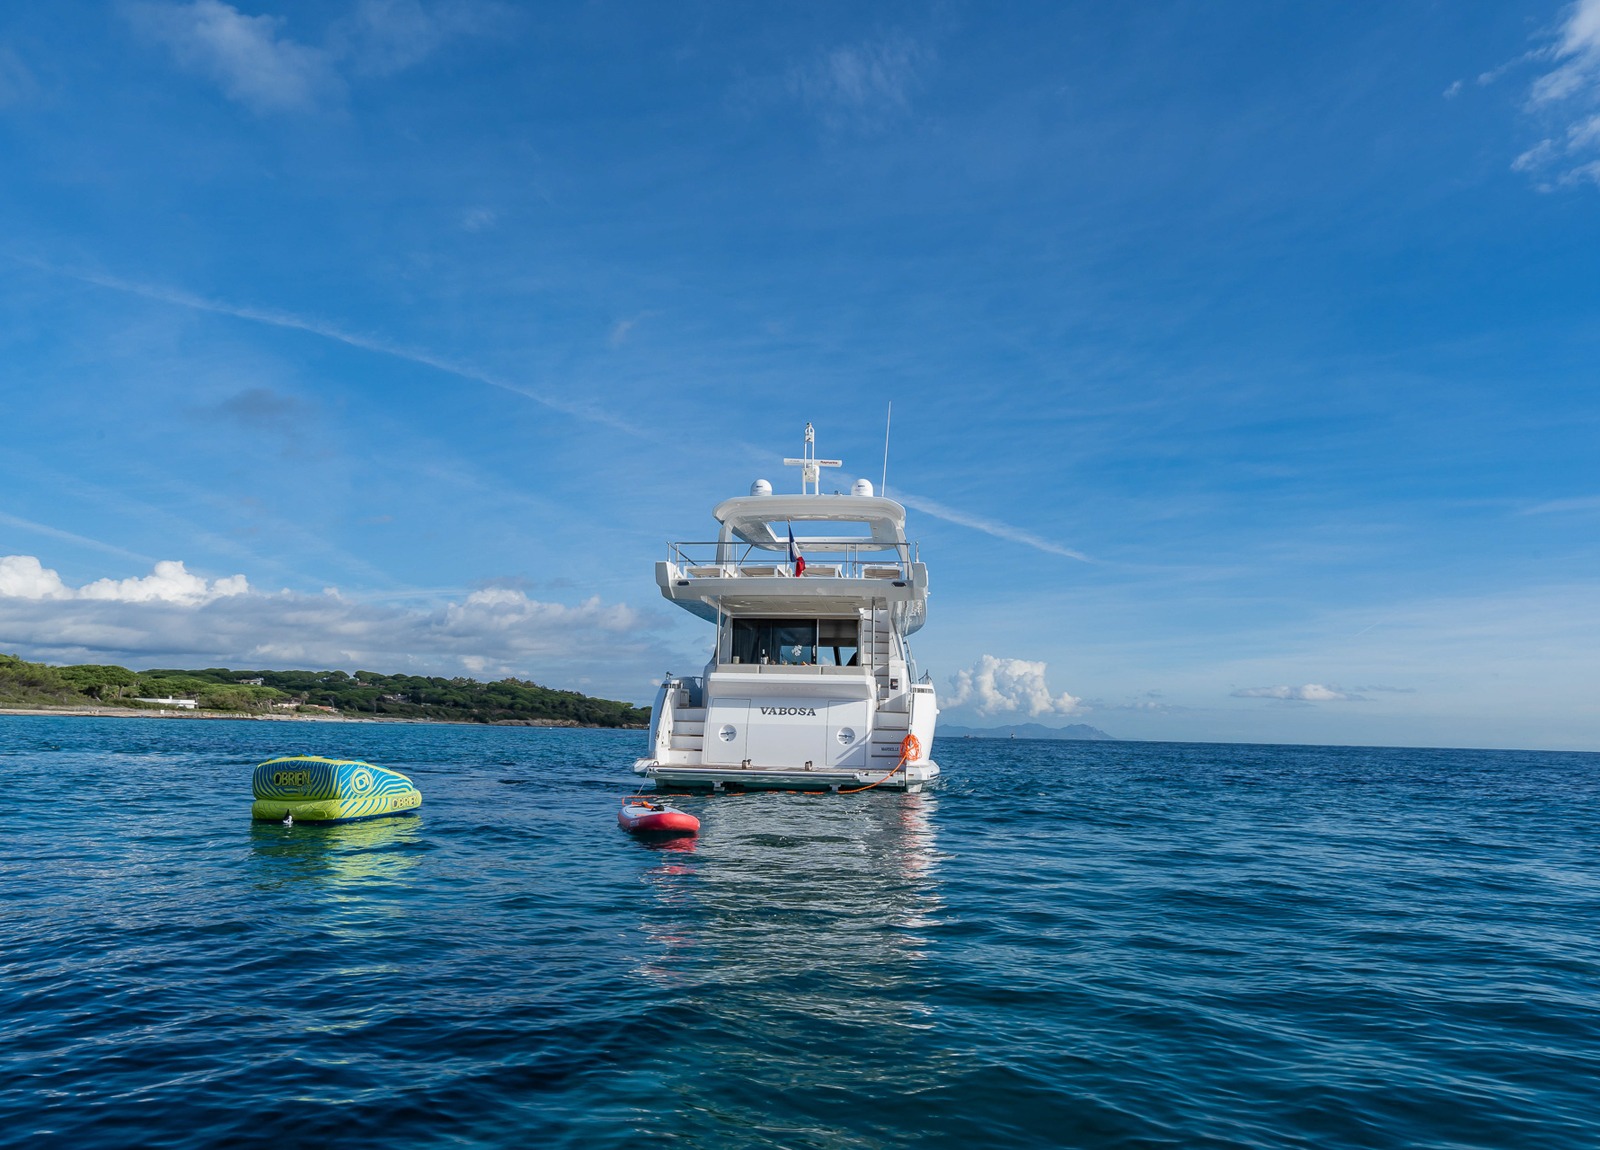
761,487
862,487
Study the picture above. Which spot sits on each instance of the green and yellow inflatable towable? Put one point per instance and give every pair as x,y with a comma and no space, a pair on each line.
318,790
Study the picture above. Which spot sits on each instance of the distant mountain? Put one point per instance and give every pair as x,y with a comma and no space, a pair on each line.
1025,731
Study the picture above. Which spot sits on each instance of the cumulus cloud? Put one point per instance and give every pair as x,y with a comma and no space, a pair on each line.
1308,693
862,86
1565,100
168,583
24,577
994,686
245,55
175,617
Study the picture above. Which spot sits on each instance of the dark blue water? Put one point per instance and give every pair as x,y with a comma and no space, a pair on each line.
1098,945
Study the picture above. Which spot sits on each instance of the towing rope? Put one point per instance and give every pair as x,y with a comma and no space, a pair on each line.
910,749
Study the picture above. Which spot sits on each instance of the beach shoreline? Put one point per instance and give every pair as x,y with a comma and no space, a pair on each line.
213,716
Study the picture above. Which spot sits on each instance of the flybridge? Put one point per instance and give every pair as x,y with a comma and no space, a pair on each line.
804,555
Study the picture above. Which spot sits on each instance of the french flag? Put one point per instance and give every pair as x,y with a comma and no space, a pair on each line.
795,557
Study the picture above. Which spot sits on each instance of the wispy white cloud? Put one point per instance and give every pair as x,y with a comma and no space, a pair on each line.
382,37
1579,53
17,85
247,56
995,527
1147,703
174,615
256,64
1557,506
21,524
995,686
172,517
623,330
1565,100
273,318
1308,693
862,86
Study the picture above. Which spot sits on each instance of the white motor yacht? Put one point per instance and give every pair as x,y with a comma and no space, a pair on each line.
810,684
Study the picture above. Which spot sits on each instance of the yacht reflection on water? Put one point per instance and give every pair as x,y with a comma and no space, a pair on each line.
795,927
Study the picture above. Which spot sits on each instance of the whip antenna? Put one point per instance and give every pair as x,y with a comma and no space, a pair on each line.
883,487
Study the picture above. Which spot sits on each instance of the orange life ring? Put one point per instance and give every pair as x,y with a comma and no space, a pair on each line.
910,749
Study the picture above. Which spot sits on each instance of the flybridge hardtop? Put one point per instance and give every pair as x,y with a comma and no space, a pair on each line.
810,682
752,519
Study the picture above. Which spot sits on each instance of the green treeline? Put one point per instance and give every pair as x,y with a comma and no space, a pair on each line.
364,693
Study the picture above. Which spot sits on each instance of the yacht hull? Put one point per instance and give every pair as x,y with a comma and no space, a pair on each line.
913,777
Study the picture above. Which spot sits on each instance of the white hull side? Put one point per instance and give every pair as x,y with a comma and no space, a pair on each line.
910,778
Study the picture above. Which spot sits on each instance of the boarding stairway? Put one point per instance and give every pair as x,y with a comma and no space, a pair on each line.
689,729
892,722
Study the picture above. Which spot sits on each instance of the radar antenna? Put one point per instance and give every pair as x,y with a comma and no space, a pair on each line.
810,466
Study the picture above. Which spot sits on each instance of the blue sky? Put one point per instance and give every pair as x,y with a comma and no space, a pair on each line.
1243,358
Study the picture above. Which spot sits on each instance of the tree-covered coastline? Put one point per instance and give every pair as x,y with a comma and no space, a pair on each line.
363,694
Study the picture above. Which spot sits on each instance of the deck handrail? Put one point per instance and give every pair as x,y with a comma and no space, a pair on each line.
851,563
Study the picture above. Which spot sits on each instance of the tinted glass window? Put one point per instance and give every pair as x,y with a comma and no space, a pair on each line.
795,642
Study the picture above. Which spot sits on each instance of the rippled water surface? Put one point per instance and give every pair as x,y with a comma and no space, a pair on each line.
1069,944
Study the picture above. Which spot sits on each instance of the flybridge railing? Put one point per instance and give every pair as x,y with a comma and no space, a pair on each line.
737,558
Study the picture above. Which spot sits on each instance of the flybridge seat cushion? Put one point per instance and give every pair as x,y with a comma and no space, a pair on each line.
713,572
883,573
823,570
318,790
764,572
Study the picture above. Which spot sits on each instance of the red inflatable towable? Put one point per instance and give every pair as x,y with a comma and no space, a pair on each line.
641,816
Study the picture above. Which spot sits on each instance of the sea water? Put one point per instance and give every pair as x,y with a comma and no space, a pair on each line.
1066,944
